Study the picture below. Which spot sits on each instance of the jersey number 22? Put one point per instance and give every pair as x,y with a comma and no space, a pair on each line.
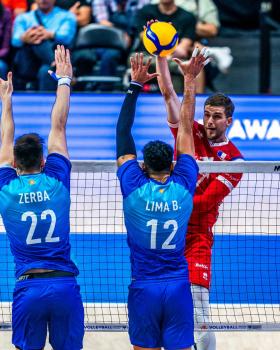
49,237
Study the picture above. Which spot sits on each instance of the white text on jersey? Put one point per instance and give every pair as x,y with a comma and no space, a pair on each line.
161,206
33,197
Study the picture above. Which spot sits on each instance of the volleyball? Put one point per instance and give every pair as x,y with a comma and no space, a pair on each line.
160,39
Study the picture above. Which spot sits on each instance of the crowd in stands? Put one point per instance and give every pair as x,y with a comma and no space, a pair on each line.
30,29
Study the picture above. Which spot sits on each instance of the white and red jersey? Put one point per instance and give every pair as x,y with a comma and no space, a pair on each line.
211,189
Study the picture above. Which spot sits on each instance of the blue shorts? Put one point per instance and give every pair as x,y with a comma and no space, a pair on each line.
161,314
48,303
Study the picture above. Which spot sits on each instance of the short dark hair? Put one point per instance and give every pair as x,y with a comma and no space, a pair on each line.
158,155
28,151
221,100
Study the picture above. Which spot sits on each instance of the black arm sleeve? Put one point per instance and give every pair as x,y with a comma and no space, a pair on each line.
125,142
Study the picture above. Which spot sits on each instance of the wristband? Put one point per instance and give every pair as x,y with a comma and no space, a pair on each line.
62,80
133,82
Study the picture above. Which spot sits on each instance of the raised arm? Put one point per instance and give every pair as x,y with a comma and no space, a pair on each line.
172,102
190,70
139,75
57,138
7,122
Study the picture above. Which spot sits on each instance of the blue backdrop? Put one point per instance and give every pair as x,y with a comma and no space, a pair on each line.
92,121
245,268
254,276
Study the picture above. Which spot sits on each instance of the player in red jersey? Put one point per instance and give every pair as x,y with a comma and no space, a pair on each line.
211,143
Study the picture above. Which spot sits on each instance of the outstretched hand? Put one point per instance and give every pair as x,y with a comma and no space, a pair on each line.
6,86
63,62
139,70
194,66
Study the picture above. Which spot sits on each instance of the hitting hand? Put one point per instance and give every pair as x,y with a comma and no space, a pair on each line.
194,66
139,70
6,87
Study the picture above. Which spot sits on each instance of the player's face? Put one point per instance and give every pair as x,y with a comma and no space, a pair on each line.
45,5
216,123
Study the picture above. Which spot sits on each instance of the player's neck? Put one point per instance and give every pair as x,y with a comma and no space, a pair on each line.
29,172
220,139
159,177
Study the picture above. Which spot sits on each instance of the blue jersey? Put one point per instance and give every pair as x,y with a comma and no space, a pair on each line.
35,212
156,218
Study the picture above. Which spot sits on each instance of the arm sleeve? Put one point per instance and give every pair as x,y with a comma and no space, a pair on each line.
59,167
174,131
67,30
174,128
186,172
131,177
7,174
125,142
20,28
217,190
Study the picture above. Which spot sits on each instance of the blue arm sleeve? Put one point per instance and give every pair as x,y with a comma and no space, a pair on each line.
125,142
59,167
186,172
131,177
7,174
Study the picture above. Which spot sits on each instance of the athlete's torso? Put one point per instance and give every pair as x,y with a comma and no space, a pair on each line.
35,212
156,217
207,151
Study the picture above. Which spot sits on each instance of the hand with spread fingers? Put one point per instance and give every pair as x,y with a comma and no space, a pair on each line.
194,66
149,23
63,62
6,87
139,69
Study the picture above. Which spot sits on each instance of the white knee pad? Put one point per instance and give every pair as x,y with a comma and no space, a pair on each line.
204,340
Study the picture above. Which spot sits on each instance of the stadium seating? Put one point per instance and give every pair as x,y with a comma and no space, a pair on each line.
96,36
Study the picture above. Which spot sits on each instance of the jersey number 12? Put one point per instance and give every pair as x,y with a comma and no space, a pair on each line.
166,244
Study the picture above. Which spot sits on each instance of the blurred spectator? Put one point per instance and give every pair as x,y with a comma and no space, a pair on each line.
5,38
168,11
206,13
16,6
35,34
81,9
238,14
182,20
119,14
275,11
207,26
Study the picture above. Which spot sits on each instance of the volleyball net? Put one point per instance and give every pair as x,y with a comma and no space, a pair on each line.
245,288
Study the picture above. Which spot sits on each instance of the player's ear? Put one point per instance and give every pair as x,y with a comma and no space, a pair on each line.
143,166
42,163
229,121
